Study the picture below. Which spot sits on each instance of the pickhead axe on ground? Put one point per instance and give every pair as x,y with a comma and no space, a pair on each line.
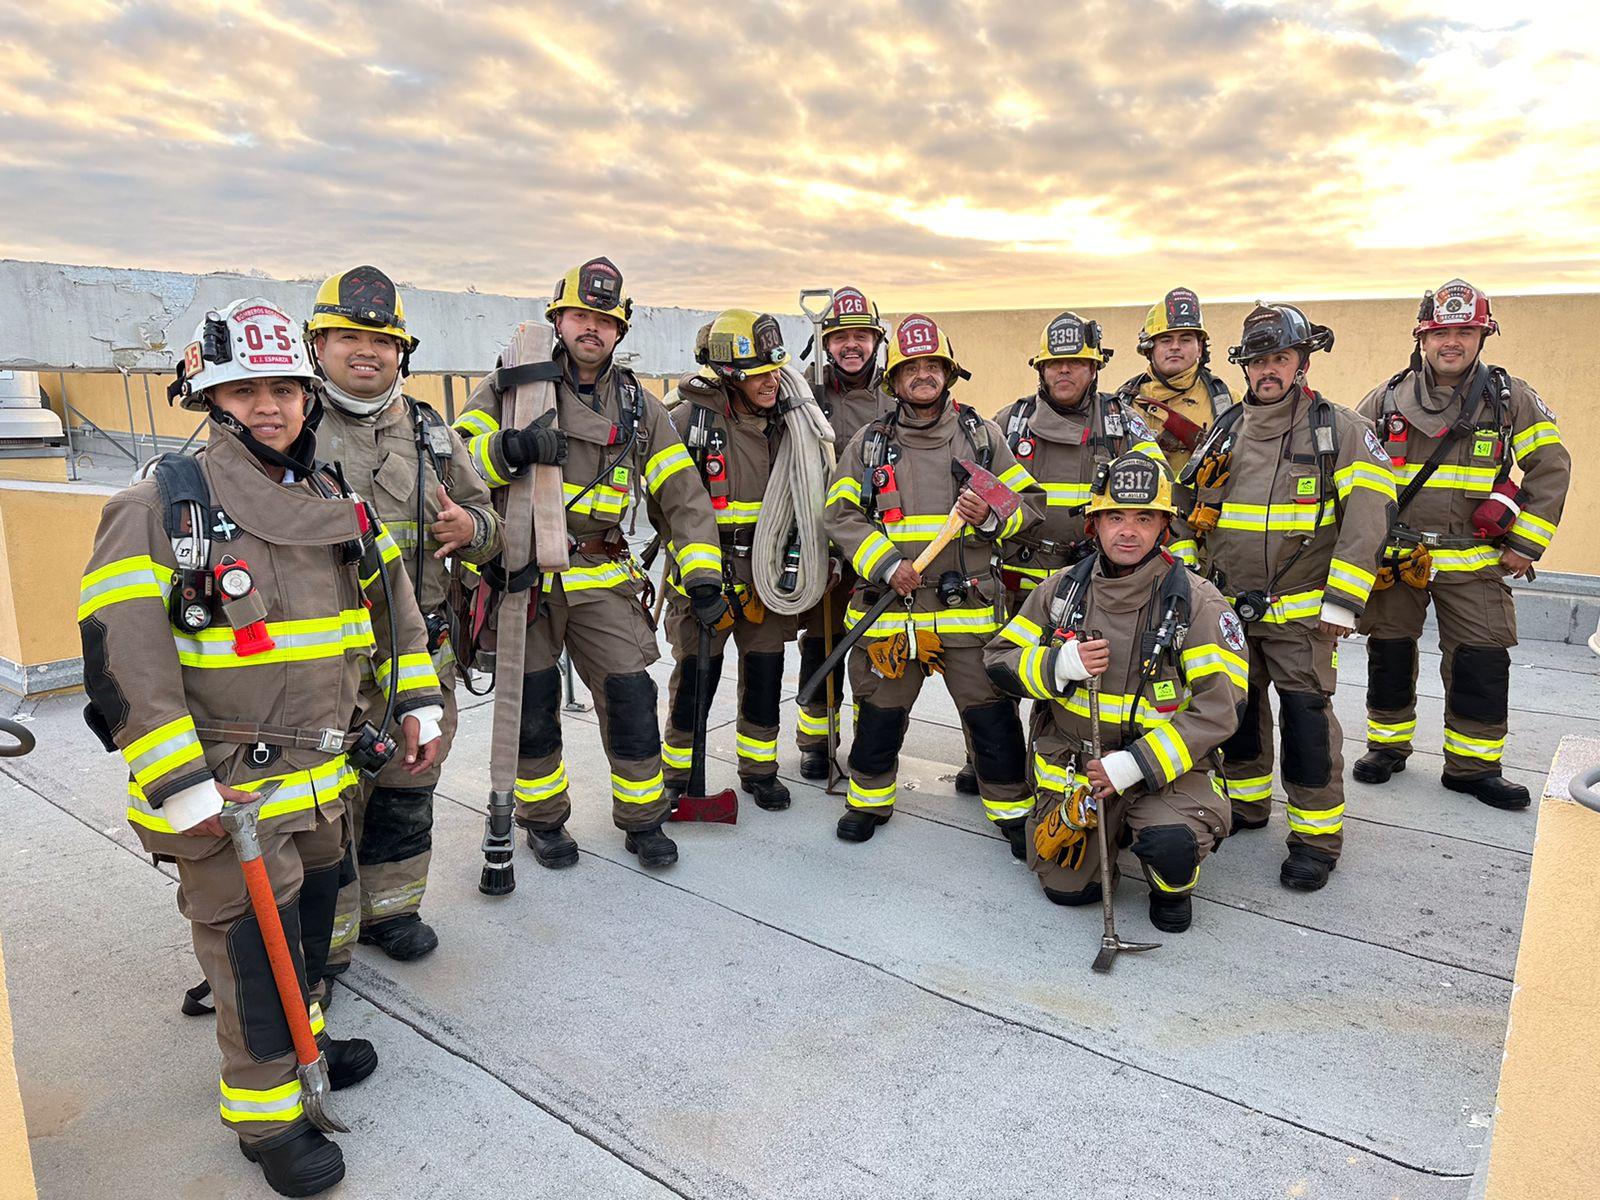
694,804
1000,499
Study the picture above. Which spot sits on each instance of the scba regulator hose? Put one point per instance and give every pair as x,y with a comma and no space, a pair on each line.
795,498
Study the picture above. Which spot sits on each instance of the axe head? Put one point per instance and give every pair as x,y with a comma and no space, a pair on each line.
720,809
990,490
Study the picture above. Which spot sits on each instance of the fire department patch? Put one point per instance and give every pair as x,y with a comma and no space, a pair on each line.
1137,429
1232,630
1375,448
1543,407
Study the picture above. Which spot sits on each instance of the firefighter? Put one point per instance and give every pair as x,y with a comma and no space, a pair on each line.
1180,395
729,420
1064,433
400,454
1172,654
1455,427
851,395
230,610
606,428
891,493
1296,495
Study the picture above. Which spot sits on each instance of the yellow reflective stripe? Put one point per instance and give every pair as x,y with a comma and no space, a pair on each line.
1186,551
1052,778
600,500
1313,821
475,422
385,903
1364,474
1471,558
416,671
865,797
1171,751
1065,495
1488,749
1026,632
165,748
698,556
1150,448
1115,706
872,551
1170,888
1275,518
294,641
1201,661
944,620
757,750
317,1023
679,758
921,527
739,512
664,464
808,724
1544,433
637,791
479,448
1006,810
545,787
1387,734
1016,477
296,792
1350,579
1010,526
847,487
281,1103
583,578
1030,671
1256,789
1535,529
1467,479
1293,607
136,578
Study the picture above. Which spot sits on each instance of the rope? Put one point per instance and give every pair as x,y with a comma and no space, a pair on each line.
794,499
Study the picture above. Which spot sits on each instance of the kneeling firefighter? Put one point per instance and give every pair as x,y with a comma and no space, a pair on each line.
1179,394
606,428
231,609
1171,651
898,483
730,420
1456,427
399,452
1293,497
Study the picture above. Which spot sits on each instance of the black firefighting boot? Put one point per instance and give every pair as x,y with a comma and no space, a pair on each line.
1016,830
1494,790
814,762
770,793
1306,870
654,848
1171,914
967,780
1375,766
553,848
350,1060
859,824
299,1162
402,938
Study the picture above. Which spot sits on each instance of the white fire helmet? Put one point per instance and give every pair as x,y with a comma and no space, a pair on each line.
249,339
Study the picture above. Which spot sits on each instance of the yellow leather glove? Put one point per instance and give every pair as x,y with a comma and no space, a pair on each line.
1062,835
1418,568
1384,579
890,655
1203,518
1214,471
930,651
751,606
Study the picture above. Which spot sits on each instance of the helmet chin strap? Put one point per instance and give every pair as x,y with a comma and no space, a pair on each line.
300,457
360,406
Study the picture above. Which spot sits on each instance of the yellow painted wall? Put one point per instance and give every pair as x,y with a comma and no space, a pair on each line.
1541,342
46,533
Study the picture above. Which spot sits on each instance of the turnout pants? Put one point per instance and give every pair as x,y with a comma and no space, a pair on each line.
1171,833
611,642
1477,625
821,628
989,721
760,689
1302,664
260,1090
391,840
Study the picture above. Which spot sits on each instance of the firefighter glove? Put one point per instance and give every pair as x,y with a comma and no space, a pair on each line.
535,443
1061,836
707,604
890,655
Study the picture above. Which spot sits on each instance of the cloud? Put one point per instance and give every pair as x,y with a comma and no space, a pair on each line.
940,153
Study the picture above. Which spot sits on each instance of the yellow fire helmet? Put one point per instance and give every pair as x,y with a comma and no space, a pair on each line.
741,344
1070,336
362,298
852,310
595,285
918,336
1133,481
1178,310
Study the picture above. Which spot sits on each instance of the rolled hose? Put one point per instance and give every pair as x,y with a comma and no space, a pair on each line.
22,734
795,498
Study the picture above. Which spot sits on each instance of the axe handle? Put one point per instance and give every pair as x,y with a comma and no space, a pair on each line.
809,689
283,972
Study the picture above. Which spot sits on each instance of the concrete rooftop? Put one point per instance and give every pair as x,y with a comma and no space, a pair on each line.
785,1015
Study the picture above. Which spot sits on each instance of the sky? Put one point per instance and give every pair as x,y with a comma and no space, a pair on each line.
936,153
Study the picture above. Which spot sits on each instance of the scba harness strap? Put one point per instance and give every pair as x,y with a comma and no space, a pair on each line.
880,491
